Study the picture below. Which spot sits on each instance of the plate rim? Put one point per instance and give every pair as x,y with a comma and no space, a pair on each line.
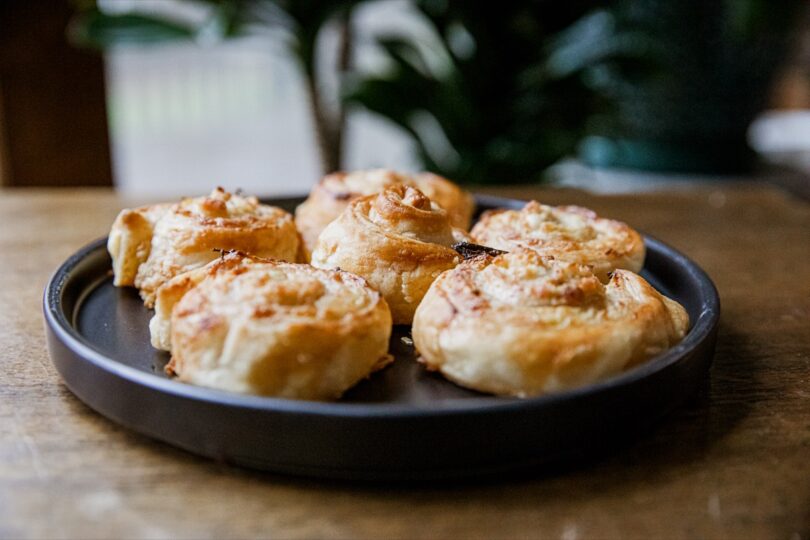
58,321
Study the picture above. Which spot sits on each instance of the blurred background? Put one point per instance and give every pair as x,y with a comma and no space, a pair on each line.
171,97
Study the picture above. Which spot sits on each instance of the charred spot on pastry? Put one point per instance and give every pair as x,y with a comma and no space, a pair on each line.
169,368
469,251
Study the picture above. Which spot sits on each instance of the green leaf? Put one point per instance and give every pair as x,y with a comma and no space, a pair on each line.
491,114
93,28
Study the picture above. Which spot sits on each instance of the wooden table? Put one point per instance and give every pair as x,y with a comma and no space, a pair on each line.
734,462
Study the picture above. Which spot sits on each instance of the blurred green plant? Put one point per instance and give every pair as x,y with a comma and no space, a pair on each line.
501,90
680,82
297,22
480,104
477,102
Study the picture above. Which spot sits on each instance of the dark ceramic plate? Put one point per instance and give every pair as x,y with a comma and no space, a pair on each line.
402,423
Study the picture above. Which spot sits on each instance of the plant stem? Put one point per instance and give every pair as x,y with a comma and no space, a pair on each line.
343,66
329,126
320,124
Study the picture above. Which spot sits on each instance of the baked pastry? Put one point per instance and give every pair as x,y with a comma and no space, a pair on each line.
150,245
261,326
332,195
130,240
523,324
398,240
569,233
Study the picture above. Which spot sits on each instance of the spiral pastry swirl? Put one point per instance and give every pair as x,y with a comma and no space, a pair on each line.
150,245
397,240
523,324
261,326
333,193
569,233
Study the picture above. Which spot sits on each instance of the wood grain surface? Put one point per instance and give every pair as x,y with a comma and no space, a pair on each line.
733,463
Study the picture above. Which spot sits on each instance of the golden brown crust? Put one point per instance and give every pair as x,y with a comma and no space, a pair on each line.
130,241
524,324
458,203
262,326
397,240
569,233
333,193
186,235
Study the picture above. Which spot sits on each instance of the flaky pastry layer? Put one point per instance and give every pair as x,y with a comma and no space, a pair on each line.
152,244
261,326
523,324
569,233
397,240
333,193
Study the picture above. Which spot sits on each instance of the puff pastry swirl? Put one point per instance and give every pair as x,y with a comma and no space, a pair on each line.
332,195
569,233
397,240
261,326
523,324
150,245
